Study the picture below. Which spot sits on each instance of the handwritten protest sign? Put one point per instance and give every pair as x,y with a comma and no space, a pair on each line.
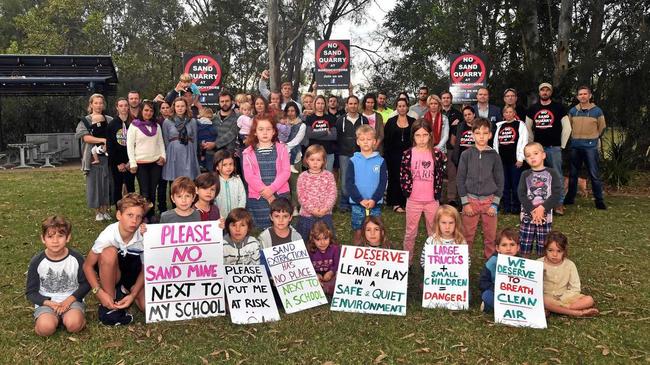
518,292
250,298
294,276
371,280
183,271
446,277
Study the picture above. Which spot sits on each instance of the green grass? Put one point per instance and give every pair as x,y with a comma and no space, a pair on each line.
611,249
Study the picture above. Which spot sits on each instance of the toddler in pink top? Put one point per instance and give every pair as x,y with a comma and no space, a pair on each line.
316,191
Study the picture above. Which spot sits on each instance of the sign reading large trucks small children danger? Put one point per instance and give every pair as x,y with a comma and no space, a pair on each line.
467,73
205,70
332,64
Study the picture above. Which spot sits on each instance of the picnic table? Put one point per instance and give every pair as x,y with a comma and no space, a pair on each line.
22,147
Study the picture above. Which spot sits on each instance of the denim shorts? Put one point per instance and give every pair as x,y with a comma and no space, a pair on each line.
40,310
359,214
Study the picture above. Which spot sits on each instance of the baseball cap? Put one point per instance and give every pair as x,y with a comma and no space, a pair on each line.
545,84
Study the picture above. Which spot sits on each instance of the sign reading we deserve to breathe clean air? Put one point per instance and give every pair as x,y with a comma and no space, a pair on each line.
371,280
518,292
183,271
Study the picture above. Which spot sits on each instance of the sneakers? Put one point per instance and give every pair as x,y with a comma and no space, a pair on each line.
601,205
482,307
559,210
294,170
107,216
114,317
99,217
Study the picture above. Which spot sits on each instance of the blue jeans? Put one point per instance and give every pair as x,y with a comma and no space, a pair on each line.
344,201
488,301
330,162
511,177
585,151
554,160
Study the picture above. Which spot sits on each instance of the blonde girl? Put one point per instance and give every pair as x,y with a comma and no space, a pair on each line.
447,230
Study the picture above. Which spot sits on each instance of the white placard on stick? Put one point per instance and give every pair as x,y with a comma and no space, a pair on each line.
294,276
371,280
250,299
183,271
446,277
519,293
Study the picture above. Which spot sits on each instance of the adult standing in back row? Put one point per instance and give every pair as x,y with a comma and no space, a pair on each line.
397,139
549,125
587,125
484,109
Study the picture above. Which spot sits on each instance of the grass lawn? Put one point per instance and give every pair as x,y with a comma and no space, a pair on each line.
611,249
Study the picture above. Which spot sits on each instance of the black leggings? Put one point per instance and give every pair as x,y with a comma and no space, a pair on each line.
148,177
120,178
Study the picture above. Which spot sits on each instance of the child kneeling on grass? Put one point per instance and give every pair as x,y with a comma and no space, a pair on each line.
117,256
562,282
56,283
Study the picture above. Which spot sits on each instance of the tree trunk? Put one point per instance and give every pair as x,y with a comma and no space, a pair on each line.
563,35
587,64
529,23
273,35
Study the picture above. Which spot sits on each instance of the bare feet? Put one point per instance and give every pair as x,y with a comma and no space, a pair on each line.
589,312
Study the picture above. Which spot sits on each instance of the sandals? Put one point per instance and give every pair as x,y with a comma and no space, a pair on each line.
398,209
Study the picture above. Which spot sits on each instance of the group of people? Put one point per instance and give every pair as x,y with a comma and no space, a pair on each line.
269,157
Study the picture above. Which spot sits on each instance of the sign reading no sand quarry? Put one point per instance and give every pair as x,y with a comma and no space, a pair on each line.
205,70
332,64
467,73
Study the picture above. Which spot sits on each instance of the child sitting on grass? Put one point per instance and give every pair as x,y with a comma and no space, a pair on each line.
324,253
508,244
280,231
562,282
183,192
239,247
374,233
56,283
447,229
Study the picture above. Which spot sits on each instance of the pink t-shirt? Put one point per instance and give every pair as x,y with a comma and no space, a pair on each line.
422,172
372,119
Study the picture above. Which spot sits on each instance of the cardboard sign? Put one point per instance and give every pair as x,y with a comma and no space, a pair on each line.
332,64
205,70
250,299
294,276
371,280
183,271
518,292
467,73
446,277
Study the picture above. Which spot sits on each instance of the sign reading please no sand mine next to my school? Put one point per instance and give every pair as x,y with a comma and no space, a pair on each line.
183,271
371,280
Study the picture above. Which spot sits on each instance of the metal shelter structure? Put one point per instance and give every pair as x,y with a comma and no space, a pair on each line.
55,75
